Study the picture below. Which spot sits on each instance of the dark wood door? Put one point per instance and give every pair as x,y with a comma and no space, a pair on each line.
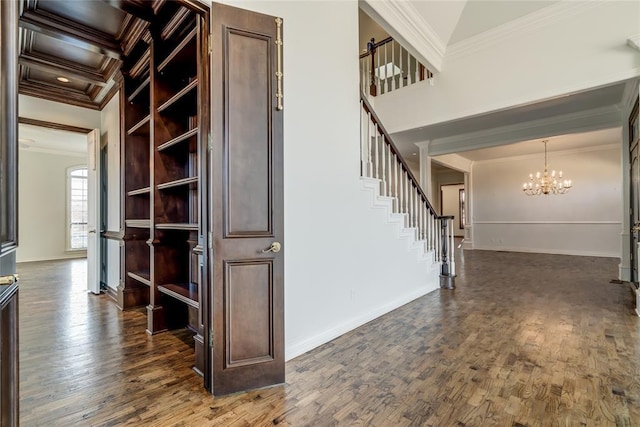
634,196
8,208
247,202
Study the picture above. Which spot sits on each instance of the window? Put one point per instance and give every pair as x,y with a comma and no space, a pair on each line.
77,208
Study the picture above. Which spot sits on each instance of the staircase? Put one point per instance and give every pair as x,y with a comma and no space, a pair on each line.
394,188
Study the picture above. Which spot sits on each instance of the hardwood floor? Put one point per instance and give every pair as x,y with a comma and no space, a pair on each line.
524,340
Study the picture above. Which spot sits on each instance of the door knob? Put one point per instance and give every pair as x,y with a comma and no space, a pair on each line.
635,229
275,248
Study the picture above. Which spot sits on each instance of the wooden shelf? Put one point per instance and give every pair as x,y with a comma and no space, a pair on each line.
144,85
139,191
178,139
138,223
179,183
175,23
181,293
178,226
141,64
178,50
178,96
141,124
143,277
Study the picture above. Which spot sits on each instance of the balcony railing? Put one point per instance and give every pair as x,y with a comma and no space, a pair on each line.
387,66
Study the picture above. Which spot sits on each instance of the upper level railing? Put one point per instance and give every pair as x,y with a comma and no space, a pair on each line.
380,159
387,66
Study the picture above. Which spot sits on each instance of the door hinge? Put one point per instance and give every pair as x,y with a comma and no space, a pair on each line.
210,337
209,43
210,239
210,143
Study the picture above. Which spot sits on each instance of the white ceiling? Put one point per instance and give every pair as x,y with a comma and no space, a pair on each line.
480,15
557,143
36,138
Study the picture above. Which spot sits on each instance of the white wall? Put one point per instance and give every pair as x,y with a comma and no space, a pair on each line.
110,133
585,221
42,203
581,46
49,111
339,273
451,205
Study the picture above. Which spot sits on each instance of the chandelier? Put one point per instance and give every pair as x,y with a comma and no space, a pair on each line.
544,183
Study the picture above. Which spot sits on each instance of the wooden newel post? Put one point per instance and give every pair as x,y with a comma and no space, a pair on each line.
371,48
447,266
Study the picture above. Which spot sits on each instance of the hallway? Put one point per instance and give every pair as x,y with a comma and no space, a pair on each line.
525,340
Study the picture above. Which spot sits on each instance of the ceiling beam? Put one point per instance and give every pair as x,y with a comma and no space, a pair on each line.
70,32
60,68
52,125
52,93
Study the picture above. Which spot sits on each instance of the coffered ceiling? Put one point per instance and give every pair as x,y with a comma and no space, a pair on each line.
71,51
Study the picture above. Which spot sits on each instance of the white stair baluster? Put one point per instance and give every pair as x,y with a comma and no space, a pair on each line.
393,64
383,151
369,147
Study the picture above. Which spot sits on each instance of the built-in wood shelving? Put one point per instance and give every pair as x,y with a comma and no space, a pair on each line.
138,223
190,38
191,181
143,277
175,23
175,99
139,191
188,296
178,139
140,125
143,86
166,115
141,66
187,226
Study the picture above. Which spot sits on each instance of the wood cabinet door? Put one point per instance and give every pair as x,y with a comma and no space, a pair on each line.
8,205
247,309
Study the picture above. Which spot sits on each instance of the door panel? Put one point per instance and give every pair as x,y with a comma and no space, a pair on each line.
634,196
248,148
246,203
93,212
9,396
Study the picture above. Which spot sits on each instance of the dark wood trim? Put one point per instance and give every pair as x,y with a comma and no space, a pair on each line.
52,125
394,150
52,93
137,8
377,45
112,92
79,35
60,67
133,30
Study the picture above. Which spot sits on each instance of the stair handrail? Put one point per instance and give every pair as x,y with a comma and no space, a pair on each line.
368,68
374,117
424,221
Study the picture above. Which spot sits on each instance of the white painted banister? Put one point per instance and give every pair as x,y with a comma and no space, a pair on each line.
381,160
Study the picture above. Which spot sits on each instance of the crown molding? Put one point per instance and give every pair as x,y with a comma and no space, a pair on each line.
528,23
54,151
583,121
412,31
603,147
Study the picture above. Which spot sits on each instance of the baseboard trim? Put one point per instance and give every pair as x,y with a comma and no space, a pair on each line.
112,293
308,344
548,251
56,258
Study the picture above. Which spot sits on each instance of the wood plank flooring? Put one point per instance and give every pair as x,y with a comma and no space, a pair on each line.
525,340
